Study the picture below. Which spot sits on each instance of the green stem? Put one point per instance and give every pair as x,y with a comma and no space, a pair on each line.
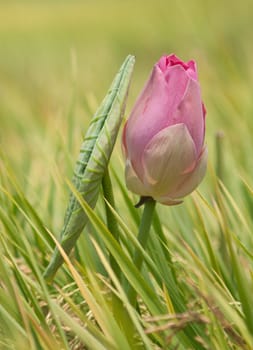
143,235
112,223
219,138
219,145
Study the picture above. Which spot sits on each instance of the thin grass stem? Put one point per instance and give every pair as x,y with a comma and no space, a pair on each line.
112,223
143,235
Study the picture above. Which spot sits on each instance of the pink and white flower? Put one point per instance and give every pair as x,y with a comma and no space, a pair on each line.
163,139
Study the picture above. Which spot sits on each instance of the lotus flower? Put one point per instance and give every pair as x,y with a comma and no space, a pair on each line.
163,139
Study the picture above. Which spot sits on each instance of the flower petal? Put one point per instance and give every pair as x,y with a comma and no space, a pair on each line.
190,112
193,179
154,110
168,201
133,182
167,158
189,182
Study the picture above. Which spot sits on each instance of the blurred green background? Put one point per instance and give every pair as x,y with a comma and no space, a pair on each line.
58,58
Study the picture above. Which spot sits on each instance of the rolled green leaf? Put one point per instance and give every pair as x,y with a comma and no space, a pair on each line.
93,160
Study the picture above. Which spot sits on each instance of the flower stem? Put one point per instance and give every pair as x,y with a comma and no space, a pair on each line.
143,235
112,223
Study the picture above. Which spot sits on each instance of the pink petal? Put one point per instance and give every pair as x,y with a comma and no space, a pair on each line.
190,181
166,158
168,201
153,111
190,113
166,62
133,182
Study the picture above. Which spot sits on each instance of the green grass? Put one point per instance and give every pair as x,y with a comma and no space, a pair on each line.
195,290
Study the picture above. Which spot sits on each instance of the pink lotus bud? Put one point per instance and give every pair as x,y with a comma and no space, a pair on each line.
163,139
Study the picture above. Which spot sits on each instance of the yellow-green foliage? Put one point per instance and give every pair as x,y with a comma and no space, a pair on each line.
57,59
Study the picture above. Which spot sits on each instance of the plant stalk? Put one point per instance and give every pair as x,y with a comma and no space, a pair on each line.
143,235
